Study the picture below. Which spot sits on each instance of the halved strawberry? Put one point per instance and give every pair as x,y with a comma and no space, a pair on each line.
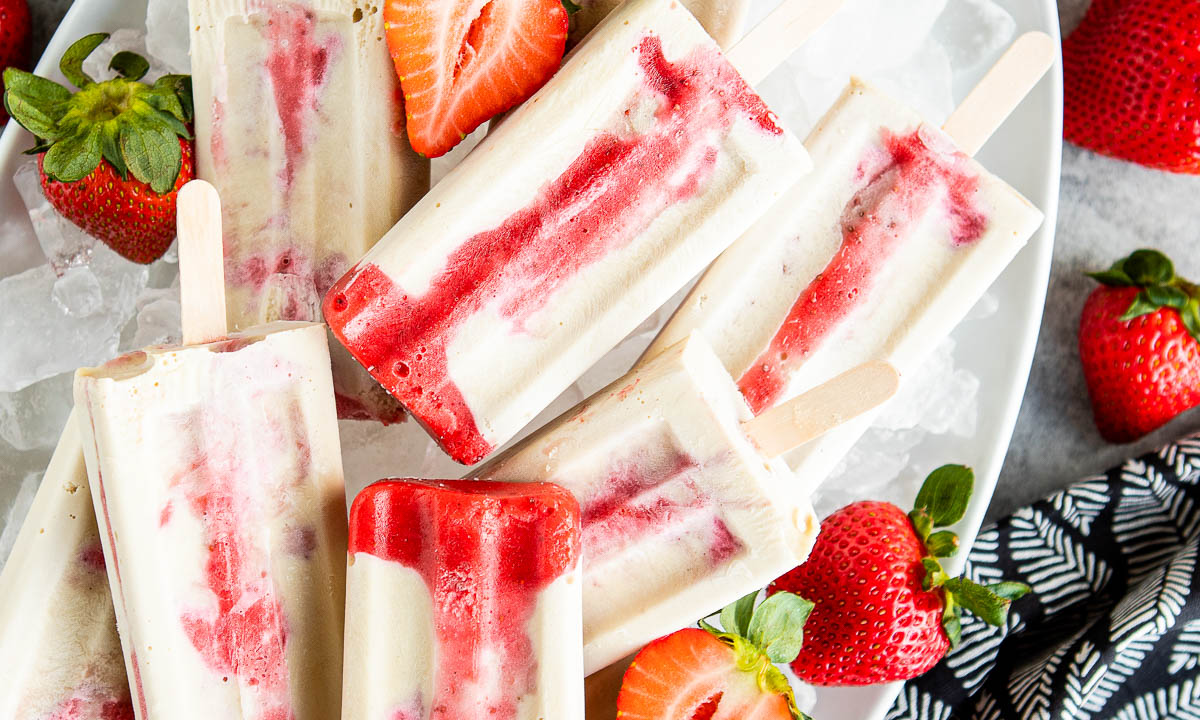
707,674
463,62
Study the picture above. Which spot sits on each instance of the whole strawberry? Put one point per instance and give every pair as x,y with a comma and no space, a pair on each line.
1138,343
15,28
1131,72
709,673
883,608
113,155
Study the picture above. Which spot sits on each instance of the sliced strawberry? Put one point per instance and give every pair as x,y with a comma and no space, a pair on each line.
461,63
693,675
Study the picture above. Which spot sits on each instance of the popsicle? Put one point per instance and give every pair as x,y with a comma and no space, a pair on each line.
299,125
722,19
685,506
215,472
878,254
586,209
463,601
58,633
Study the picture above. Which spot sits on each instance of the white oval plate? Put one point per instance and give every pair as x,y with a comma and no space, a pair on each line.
1026,152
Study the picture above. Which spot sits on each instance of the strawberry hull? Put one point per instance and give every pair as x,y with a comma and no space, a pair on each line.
549,244
463,596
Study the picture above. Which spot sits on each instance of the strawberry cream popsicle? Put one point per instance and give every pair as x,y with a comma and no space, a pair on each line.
577,217
58,633
299,125
463,602
877,255
216,476
683,510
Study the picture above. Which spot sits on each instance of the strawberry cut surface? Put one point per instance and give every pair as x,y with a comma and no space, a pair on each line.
1131,74
461,63
692,675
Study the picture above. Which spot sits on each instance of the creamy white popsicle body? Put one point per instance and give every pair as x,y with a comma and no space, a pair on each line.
58,633
585,210
299,125
215,471
876,255
681,512
463,601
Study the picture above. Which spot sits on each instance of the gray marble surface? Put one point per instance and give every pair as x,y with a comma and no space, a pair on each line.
1108,208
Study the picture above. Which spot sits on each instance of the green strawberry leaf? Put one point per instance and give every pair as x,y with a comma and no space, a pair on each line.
935,576
180,88
1149,267
922,523
71,64
1191,317
1166,296
1010,590
73,158
110,147
152,154
946,493
777,626
709,628
735,617
571,7
44,94
30,117
1141,305
952,625
129,65
942,543
987,604
1113,277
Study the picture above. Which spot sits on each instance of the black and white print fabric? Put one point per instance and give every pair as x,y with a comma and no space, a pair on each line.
1112,629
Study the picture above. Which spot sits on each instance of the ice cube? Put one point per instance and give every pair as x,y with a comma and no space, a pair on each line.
77,292
33,418
14,518
924,82
63,243
167,36
158,318
974,32
42,339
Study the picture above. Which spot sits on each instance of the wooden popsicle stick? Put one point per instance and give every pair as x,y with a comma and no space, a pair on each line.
816,412
201,262
1000,91
779,35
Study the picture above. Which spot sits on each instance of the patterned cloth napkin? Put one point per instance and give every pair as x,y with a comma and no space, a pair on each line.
1112,629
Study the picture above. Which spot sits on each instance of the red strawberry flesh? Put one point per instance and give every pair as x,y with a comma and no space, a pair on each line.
461,63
